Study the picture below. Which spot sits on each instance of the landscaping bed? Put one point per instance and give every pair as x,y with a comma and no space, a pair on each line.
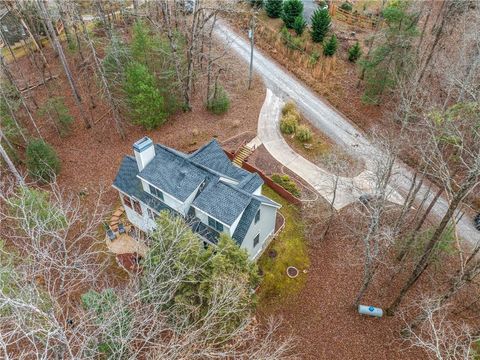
320,150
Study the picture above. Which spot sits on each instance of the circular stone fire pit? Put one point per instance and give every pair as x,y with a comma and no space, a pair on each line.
292,272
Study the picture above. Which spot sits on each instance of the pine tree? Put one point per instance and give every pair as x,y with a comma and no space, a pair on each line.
320,24
256,3
274,8
146,104
354,52
42,161
291,9
330,48
299,25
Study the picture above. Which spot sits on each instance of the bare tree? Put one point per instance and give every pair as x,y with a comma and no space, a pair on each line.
452,155
440,338
55,232
378,237
10,164
58,47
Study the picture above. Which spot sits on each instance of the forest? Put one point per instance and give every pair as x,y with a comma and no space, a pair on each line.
90,78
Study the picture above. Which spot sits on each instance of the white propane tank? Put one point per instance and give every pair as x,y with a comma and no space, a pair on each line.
370,310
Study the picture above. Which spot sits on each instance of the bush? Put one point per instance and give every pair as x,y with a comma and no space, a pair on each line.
294,43
303,133
287,183
299,25
330,48
288,124
322,4
354,52
346,6
274,8
220,103
42,161
289,107
291,9
320,24
56,109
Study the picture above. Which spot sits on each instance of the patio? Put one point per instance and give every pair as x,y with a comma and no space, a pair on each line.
126,242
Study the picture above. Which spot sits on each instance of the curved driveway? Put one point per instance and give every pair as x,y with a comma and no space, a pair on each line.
333,124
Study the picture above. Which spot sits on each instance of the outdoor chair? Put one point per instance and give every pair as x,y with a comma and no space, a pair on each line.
111,234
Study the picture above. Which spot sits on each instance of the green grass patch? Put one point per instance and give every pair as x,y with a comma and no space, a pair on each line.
291,249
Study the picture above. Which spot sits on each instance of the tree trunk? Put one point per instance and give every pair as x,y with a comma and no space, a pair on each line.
417,229
10,165
421,265
24,104
56,44
115,112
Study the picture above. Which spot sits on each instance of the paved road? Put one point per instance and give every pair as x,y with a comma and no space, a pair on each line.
309,7
333,124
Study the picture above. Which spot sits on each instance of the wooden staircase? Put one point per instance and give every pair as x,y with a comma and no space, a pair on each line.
241,155
116,218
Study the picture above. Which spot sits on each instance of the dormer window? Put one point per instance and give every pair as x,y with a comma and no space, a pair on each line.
156,192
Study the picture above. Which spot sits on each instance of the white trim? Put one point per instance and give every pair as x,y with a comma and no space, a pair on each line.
277,205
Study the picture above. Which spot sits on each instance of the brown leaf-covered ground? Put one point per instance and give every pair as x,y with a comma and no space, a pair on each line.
321,316
91,157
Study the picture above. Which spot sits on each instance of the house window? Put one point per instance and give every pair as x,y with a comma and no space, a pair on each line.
256,240
257,216
156,192
127,202
136,206
152,214
215,224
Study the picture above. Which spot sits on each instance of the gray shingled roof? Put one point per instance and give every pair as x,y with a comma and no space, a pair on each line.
213,157
180,174
246,220
128,182
251,183
171,172
222,201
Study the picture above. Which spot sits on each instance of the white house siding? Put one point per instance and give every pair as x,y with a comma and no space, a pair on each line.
265,227
177,205
143,222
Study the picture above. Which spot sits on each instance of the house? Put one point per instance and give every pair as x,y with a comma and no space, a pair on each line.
204,187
